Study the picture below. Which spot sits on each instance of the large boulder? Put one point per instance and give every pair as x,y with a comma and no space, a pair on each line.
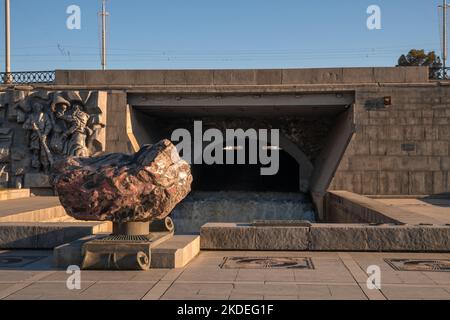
123,188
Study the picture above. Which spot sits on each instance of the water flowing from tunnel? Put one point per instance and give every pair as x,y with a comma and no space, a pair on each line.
241,207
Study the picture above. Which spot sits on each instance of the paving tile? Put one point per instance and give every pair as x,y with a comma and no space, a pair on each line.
95,276
313,276
265,289
265,275
208,274
391,276
16,276
331,292
200,289
151,275
347,293
50,291
237,297
194,297
212,262
439,278
117,291
108,275
314,292
271,297
4,286
415,293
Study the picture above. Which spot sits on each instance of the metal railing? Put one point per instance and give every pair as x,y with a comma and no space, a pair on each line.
440,73
27,77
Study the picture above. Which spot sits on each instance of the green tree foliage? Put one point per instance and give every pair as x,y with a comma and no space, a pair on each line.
421,58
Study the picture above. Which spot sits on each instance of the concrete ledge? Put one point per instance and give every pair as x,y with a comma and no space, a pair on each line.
11,194
173,253
348,207
339,237
46,235
227,236
234,236
33,209
326,237
243,77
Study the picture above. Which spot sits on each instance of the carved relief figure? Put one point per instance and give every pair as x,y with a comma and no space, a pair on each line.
40,126
47,126
77,132
58,141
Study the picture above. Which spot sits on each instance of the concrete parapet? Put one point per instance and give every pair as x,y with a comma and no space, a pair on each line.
243,77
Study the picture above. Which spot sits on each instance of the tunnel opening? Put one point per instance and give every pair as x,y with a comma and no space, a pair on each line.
247,177
308,127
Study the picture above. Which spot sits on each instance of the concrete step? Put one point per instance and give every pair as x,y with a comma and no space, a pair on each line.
65,218
34,209
41,235
176,252
11,194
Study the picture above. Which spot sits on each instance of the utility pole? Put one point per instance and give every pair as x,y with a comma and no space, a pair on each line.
444,38
104,14
7,43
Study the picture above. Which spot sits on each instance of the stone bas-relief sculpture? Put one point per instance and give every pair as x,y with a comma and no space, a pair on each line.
123,188
38,127
129,190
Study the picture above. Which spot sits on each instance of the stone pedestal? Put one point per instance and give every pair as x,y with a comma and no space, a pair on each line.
122,252
128,248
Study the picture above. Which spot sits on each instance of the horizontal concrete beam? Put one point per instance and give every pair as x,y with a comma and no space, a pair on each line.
325,237
311,99
243,77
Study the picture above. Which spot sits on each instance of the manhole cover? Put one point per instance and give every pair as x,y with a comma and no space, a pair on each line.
266,263
11,262
431,265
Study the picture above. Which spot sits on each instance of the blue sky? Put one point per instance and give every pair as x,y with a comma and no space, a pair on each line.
198,34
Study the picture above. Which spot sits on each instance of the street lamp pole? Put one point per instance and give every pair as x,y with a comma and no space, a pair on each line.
444,38
7,43
104,14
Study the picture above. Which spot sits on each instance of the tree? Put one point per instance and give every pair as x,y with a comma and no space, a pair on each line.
421,58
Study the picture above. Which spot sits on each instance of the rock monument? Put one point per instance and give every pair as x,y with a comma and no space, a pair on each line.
129,190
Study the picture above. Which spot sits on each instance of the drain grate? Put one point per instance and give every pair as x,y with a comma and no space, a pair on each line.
266,263
431,265
126,238
12,262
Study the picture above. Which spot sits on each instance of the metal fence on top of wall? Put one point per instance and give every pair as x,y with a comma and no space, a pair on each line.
28,77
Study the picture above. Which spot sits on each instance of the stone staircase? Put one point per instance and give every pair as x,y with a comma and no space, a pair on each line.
40,222
10,194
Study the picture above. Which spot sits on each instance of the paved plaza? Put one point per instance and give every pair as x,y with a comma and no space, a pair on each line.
335,276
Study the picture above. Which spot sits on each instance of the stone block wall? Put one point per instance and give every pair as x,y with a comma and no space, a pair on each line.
401,149
116,130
